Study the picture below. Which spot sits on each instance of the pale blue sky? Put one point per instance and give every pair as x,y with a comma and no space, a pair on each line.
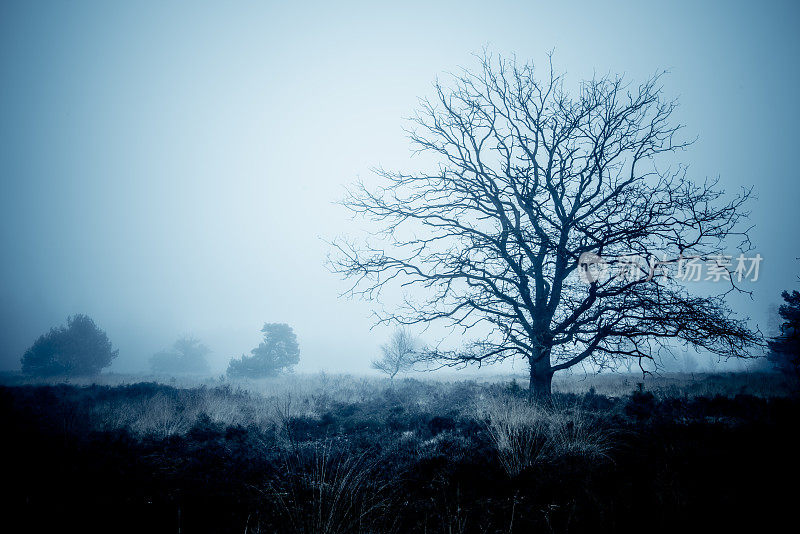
170,167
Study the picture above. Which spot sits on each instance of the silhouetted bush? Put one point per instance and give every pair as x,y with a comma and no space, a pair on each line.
641,405
785,348
78,348
276,353
439,424
187,355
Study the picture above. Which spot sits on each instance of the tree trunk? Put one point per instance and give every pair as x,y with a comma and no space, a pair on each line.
540,387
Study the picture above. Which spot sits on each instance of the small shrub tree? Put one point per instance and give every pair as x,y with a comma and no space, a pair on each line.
277,352
187,356
785,348
78,348
398,355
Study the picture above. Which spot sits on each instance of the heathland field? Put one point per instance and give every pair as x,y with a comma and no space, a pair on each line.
340,454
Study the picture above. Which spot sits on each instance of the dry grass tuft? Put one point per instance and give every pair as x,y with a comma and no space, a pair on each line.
525,434
326,491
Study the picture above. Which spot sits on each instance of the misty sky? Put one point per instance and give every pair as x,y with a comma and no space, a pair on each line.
170,168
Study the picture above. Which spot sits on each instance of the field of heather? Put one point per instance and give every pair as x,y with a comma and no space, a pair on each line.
342,454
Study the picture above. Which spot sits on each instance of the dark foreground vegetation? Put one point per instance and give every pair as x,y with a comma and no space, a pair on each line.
409,457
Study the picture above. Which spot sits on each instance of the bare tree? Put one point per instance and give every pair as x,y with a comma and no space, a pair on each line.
398,355
533,186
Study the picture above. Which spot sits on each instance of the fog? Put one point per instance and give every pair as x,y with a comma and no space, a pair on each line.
173,169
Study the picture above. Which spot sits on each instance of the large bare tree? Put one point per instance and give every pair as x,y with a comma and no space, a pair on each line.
532,185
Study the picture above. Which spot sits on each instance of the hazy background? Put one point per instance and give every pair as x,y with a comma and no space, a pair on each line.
170,168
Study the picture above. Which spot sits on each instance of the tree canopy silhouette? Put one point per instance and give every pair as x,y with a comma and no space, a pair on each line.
78,348
530,186
276,353
785,348
187,355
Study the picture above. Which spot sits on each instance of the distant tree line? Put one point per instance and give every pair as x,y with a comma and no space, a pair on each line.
81,348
